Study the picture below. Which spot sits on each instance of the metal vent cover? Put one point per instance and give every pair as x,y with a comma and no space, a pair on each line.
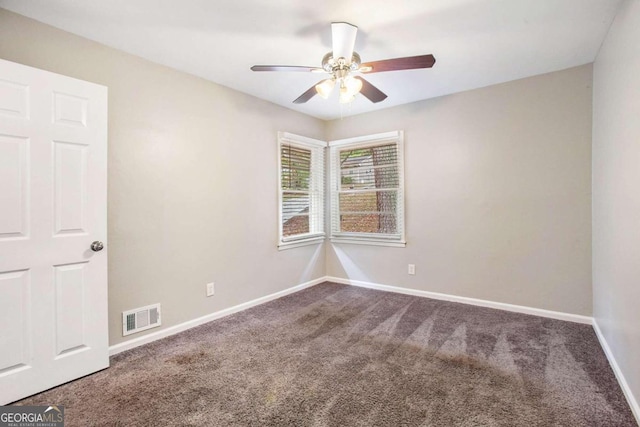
140,319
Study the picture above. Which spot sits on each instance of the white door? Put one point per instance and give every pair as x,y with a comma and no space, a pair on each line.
53,205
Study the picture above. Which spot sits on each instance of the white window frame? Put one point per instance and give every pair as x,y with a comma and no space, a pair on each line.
376,239
316,191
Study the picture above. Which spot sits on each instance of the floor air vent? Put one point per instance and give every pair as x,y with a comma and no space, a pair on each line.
140,319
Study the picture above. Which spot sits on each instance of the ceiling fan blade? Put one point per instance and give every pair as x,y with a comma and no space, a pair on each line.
310,93
343,36
286,68
407,63
371,92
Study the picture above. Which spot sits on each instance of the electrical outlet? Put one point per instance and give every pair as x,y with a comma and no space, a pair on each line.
412,269
210,289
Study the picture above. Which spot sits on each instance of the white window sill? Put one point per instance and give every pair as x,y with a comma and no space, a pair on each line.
369,242
301,242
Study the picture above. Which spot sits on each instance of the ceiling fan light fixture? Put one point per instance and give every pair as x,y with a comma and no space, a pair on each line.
325,87
346,99
352,85
346,95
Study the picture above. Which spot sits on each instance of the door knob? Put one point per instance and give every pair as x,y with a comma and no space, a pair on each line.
97,246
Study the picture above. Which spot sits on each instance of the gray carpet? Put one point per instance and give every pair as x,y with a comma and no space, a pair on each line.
336,355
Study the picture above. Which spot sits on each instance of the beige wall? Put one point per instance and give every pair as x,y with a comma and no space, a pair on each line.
192,179
498,194
616,192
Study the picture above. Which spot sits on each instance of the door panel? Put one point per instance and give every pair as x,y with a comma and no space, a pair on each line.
70,110
70,167
14,320
53,288
14,99
70,307
14,173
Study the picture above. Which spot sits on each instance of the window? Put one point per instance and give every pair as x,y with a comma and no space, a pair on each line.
367,190
301,190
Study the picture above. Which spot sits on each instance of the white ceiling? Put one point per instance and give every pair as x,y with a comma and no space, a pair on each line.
476,42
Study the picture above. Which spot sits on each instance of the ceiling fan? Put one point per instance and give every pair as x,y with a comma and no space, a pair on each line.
342,63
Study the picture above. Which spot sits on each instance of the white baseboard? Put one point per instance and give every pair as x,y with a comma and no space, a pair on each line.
633,403
162,333
464,300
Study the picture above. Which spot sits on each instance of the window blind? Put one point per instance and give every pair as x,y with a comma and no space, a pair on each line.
301,177
367,191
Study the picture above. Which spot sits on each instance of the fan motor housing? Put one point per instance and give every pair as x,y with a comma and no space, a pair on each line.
331,64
